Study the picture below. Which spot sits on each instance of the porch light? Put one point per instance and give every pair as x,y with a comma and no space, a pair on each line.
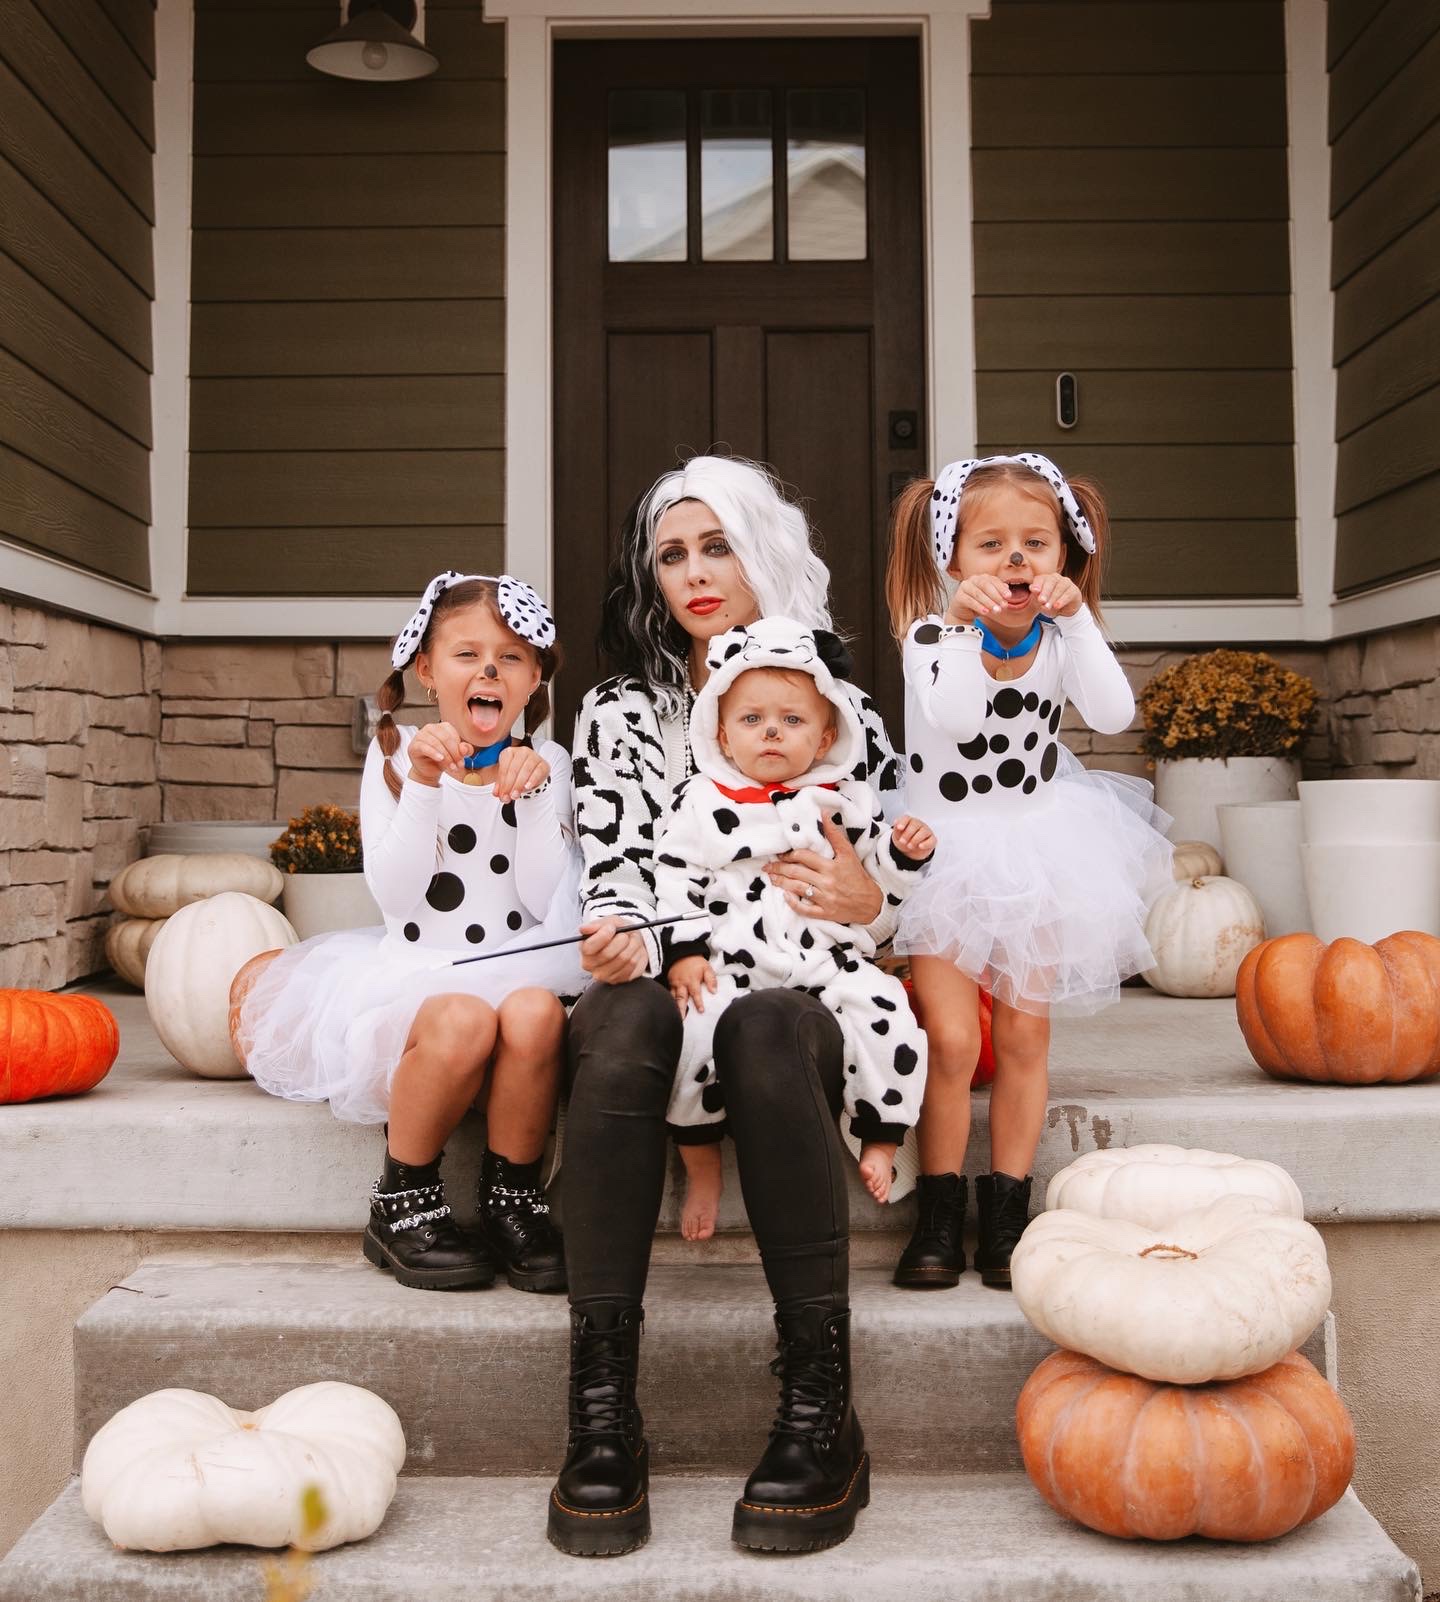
376,43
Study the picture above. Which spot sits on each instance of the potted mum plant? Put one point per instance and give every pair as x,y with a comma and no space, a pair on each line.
319,854
1224,726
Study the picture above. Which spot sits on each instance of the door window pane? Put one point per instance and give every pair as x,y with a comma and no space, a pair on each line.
737,176
647,175
825,174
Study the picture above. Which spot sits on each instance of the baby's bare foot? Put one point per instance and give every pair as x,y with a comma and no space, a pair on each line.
701,1211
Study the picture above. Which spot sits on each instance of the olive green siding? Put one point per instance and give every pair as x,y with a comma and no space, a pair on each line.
77,209
1132,228
347,333
1385,205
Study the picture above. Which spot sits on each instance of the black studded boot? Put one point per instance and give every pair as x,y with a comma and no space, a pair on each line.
814,1476
515,1221
413,1233
600,1506
1004,1203
935,1257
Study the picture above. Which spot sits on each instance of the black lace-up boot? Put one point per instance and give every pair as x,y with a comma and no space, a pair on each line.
515,1221
935,1256
600,1506
1004,1212
413,1233
814,1476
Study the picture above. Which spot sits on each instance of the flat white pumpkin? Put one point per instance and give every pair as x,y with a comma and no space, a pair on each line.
1152,1184
1200,931
1196,859
127,947
179,1469
1215,1294
188,973
154,887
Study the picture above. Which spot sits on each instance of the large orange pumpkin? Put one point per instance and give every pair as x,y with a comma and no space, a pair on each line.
985,1067
1346,1013
53,1045
1235,1460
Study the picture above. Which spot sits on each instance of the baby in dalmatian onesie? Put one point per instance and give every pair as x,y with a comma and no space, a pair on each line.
777,748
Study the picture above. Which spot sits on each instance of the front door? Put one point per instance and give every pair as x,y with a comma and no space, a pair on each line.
738,265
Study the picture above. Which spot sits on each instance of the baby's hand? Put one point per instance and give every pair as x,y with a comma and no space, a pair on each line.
982,593
914,838
1056,595
519,771
437,749
877,1160
689,979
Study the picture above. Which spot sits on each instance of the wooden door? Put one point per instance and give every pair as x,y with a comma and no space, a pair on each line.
738,266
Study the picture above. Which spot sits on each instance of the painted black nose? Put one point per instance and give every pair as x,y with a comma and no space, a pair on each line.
1016,560
490,670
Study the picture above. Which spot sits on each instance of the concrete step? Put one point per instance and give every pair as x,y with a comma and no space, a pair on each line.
478,1378
982,1538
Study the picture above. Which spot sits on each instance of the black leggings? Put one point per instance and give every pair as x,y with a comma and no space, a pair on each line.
778,1056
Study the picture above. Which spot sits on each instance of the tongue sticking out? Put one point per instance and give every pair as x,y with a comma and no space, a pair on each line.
485,715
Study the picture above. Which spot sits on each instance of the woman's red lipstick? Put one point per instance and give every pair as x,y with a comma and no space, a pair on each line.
704,604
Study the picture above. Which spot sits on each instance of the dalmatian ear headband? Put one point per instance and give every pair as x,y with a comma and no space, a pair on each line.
945,502
521,608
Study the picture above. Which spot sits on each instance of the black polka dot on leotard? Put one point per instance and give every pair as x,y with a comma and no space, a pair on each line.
475,934
412,931
1048,762
982,784
1045,708
999,744
1029,785
461,838
514,920
1011,773
507,813
973,750
446,892
499,863
917,764
1055,720
928,634
1031,740
953,786
1031,700
1009,703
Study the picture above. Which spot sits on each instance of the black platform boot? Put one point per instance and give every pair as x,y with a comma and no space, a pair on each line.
515,1221
413,1233
600,1506
1004,1212
935,1256
815,1474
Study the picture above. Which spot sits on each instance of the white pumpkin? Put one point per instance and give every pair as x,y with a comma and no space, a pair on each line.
1215,1294
154,887
1197,859
187,977
179,1469
127,945
1150,1185
1200,932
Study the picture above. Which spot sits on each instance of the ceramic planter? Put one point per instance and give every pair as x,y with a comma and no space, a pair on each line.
1261,844
1355,811
317,903
186,839
1368,891
1191,788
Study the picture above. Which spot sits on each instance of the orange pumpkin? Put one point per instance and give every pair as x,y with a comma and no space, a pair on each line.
53,1045
240,987
1346,1013
985,1067
1235,1460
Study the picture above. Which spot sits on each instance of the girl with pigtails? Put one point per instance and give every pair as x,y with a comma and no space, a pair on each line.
469,845
1043,871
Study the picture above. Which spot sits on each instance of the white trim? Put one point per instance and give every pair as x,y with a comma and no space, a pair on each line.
286,618
170,313
1135,623
1312,305
1411,600
47,581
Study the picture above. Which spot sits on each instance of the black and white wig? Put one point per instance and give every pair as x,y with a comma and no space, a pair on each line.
772,542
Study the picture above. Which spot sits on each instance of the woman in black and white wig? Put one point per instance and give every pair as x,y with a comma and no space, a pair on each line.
710,546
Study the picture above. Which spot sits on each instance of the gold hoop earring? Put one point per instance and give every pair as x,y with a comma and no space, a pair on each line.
430,693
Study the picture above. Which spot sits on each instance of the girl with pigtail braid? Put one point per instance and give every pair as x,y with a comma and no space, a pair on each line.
469,851
1043,871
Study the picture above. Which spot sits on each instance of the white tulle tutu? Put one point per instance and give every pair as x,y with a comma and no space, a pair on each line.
1043,900
328,1019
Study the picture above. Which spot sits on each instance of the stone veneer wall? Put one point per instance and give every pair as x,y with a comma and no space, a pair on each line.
79,722
1384,703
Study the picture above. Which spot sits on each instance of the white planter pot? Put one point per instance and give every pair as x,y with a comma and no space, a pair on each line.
1191,788
1261,843
1388,811
188,839
1370,890
316,903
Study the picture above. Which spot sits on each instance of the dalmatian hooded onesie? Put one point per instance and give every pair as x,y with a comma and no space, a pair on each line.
722,831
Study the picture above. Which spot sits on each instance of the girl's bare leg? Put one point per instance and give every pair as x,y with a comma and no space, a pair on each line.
950,1011
1021,1090
703,1184
441,1071
525,1076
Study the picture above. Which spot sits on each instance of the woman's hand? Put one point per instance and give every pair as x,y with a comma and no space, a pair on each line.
1056,595
612,954
837,889
519,771
982,593
436,749
689,979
